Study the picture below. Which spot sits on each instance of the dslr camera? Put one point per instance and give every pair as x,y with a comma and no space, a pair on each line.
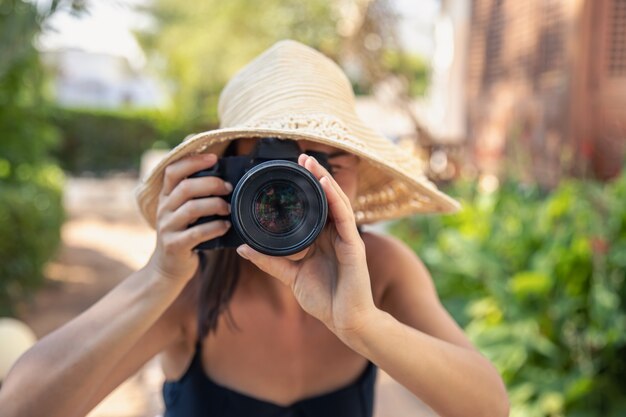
277,207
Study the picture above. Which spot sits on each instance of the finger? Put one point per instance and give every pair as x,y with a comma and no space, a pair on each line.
319,171
338,202
298,256
178,170
343,217
281,268
187,239
190,188
315,167
192,210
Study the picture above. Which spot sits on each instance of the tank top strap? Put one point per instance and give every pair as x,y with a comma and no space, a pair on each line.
195,366
197,353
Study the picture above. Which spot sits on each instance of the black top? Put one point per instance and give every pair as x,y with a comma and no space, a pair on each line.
196,395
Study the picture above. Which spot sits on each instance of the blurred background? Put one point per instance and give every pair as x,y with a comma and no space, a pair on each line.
517,108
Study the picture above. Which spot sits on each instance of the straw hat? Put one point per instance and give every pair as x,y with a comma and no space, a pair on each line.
292,91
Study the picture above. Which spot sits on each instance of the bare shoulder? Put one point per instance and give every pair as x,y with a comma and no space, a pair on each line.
182,315
390,262
185,306
388,253
379,245
406,289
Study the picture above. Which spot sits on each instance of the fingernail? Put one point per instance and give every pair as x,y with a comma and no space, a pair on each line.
229,186
240,251
227,224
209,156
229,208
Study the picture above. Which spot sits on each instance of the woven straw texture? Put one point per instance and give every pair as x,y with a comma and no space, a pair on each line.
292,91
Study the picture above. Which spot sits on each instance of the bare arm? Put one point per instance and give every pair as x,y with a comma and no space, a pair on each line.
63,370
415,340
169,333
70,370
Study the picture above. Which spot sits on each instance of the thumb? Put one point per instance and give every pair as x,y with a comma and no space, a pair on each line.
280,268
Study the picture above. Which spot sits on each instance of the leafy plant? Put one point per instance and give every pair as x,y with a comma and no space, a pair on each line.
101,141
200,45
537,280
30,183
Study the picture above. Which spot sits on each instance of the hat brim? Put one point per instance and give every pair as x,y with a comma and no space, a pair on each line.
386,190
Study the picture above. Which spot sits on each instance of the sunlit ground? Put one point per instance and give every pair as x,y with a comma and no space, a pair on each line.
104,240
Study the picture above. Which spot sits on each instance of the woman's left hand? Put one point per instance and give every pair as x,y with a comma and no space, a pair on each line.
330,278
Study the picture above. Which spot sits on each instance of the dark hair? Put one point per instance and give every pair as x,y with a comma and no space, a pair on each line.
219,275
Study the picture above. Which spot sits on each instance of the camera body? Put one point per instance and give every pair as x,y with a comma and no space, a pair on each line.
277,207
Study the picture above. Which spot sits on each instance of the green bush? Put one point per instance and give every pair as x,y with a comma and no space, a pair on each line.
101,141
30,184
30,218
412,67
537,280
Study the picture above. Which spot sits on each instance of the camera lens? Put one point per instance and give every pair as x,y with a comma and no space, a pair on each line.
279,207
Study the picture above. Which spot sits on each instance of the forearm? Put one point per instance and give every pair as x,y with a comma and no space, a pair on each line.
452,380
59,374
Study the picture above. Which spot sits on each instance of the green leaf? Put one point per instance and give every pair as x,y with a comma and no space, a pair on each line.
528,283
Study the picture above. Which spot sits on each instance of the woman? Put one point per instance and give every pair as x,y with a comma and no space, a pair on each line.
246,334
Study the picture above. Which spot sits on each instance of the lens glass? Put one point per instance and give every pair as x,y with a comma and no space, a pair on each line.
280,207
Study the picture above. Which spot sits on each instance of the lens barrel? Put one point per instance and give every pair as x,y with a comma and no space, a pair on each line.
278,208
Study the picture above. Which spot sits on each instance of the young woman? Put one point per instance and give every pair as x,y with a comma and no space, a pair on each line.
246,334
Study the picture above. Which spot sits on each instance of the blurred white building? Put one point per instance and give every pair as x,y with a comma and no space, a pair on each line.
101,80
443,109
441,38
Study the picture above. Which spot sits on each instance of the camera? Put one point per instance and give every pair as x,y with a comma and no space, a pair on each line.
277,207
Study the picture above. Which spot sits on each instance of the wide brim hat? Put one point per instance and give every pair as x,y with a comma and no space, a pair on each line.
292,91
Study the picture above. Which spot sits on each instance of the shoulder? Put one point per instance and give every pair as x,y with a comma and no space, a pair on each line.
405,289
182,316
185,309
178,320
392,264
388,252
385,245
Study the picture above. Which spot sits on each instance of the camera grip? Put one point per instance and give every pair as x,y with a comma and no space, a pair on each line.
228,169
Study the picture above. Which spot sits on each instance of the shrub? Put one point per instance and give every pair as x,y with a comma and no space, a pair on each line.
30,218
30,184
537,280
101,141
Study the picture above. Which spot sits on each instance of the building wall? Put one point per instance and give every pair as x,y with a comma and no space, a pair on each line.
599,119
541,103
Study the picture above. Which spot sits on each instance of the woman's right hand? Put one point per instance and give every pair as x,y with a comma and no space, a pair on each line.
181,202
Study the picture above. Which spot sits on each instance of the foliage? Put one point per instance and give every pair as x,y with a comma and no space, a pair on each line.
31,214
202,44
537,280
411,67
30,184
100,141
